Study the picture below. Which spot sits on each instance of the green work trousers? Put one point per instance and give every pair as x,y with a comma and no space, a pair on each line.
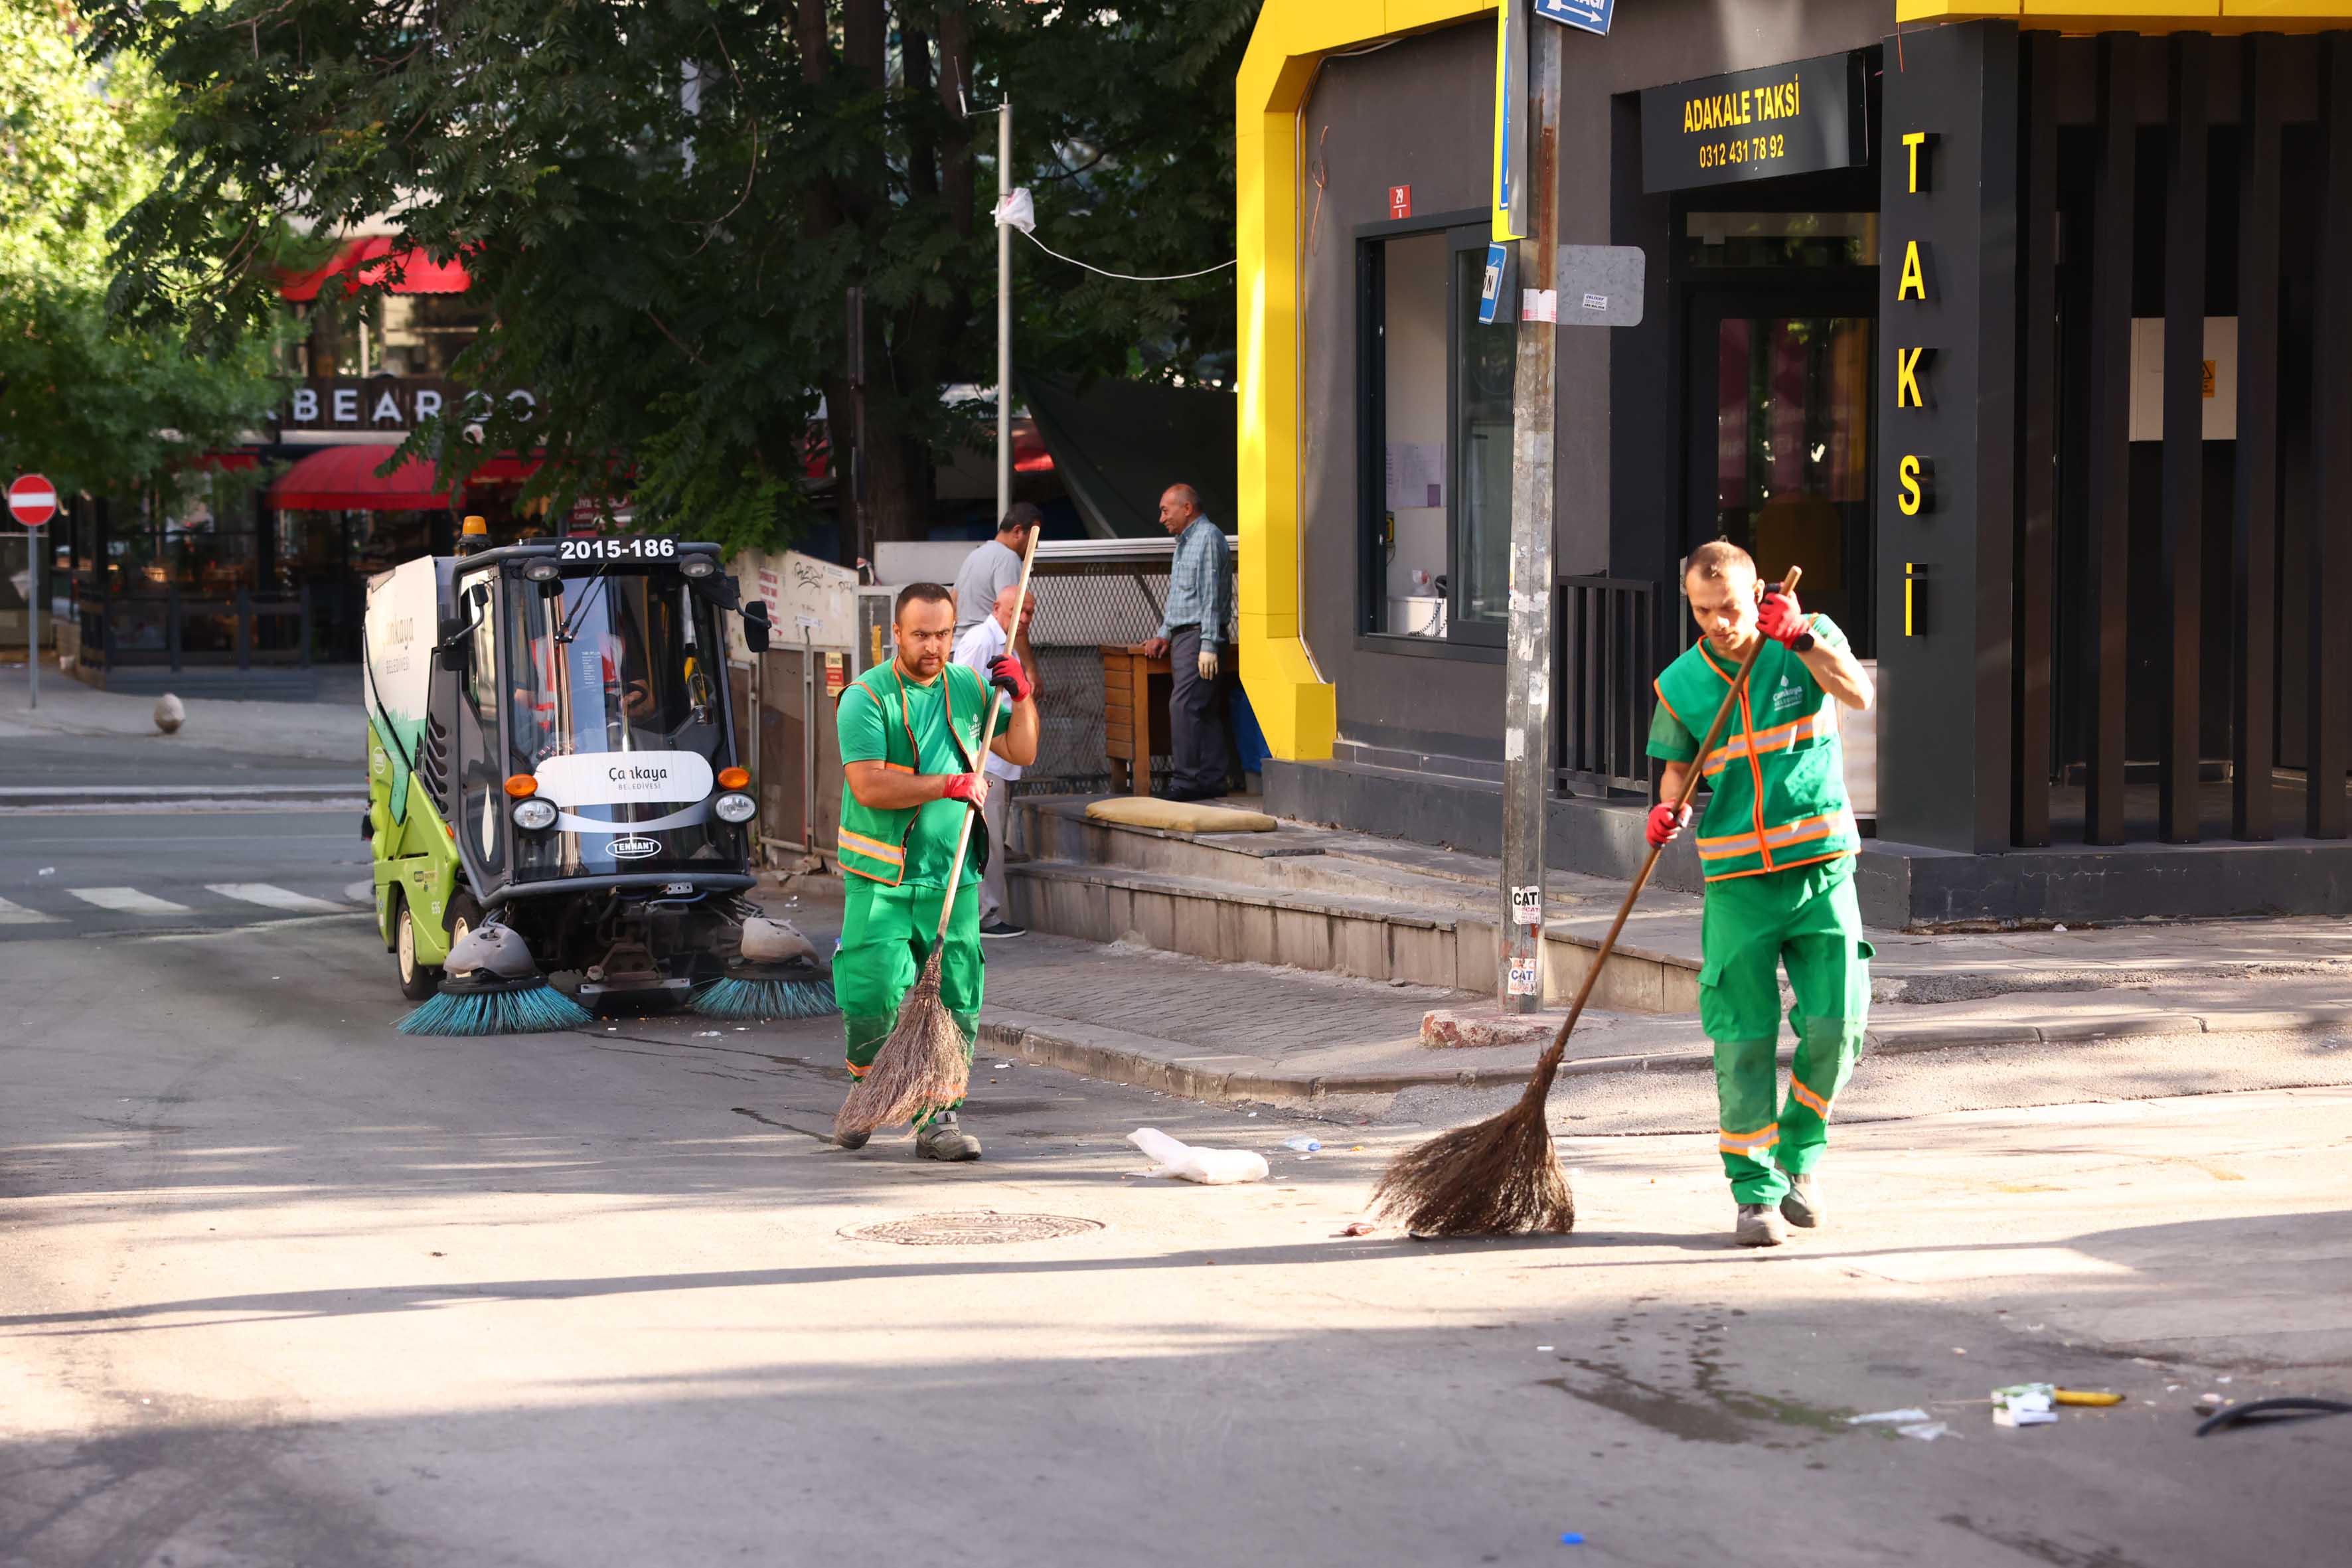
886,939
1808,921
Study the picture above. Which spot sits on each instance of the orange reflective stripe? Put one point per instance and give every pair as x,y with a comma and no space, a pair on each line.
872,848
1738,843
1806,1097
1748,1142
1669,707
855,1071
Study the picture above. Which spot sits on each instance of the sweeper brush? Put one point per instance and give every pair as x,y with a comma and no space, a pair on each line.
1502,1176
493,988
777,975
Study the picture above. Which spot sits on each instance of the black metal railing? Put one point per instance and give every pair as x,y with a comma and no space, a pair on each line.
1604,659
181,631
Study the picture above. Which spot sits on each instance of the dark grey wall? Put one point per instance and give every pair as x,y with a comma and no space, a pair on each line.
1420,112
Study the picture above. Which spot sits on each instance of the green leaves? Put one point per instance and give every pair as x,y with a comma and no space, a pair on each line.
91,402
664,201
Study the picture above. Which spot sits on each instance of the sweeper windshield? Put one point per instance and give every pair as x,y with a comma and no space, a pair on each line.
616,709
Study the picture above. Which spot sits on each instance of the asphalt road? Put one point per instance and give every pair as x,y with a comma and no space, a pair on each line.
279,1286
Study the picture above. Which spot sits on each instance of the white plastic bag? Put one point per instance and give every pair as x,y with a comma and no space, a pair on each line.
1210,1167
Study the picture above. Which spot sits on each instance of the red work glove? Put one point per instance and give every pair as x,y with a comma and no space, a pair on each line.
1004,673
1665,822
1781,618
965,787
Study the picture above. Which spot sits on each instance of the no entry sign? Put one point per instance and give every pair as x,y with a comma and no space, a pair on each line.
32,499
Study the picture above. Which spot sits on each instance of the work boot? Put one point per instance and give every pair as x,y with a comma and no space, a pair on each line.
944,1138
1760,1226
1802,1204
851,1139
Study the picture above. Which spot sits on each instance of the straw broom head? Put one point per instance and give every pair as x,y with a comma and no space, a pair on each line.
1497,1177
925,1064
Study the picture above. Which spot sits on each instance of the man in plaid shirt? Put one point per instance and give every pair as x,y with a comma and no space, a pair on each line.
1192,630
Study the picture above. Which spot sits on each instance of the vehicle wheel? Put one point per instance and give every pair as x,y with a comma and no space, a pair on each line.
418,982
465,915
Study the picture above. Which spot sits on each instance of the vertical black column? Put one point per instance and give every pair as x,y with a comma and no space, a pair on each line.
2184,433
2108,456
1945,487
2330,584
2037,437
2253,588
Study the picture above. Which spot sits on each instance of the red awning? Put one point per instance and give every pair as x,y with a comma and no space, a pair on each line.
343,479
371,259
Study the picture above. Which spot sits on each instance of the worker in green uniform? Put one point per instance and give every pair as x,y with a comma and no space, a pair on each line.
911,763
1777,847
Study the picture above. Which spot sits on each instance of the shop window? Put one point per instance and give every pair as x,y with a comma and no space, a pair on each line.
1746,240
1435,429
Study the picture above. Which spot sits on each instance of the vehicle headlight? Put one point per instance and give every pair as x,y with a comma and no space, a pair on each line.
697,565
541,571
534,814
735,808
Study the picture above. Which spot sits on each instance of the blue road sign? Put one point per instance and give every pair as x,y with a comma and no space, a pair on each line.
1593,15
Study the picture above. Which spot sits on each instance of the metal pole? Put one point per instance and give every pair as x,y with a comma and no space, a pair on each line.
1527,678
1003,312
33,616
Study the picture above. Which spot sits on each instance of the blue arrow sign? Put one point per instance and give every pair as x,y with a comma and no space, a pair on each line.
1593,15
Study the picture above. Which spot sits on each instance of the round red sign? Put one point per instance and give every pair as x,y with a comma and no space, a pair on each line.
32,499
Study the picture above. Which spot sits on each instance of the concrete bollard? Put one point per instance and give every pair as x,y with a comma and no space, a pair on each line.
170,714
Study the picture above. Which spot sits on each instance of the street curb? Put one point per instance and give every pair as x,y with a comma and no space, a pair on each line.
1115,1056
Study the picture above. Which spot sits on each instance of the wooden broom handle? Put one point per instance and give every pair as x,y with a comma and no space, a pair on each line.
988,729
1690,787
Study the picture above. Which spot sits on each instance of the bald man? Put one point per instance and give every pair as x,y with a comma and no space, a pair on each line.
978,648
1191,637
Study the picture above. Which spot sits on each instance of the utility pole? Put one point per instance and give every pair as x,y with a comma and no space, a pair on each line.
1003,311
1526,669
862,547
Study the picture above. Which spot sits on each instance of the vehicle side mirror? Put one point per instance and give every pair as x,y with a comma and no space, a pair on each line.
755,627
451,657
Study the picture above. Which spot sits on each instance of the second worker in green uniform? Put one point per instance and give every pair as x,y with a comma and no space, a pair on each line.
910,754
1777,847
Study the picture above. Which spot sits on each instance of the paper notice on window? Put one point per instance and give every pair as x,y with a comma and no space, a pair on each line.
1416,474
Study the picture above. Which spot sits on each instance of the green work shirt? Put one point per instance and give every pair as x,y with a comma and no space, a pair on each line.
905,725
1776,773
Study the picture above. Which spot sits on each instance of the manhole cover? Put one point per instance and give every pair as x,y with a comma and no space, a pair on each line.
971,1229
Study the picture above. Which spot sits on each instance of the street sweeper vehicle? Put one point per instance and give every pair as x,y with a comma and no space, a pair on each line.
555,788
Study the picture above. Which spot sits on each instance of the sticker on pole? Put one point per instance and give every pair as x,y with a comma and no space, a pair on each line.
32,499
1525,980
1526,906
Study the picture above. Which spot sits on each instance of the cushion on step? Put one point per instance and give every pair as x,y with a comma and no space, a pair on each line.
1177,816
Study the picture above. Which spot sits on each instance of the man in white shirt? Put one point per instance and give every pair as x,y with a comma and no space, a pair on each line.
993,567
976,648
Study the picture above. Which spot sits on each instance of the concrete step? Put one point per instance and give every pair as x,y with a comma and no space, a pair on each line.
1370,930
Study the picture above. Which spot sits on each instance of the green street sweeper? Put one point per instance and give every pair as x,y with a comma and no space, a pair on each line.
555,787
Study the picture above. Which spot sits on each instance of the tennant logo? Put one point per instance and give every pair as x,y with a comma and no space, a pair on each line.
634,848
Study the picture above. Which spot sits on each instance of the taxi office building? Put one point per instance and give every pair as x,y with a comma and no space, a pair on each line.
2022,329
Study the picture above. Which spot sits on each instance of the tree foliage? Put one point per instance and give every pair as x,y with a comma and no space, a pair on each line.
91,403
665,202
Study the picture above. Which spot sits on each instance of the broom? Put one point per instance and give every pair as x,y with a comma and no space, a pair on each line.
1502,1176
927,1061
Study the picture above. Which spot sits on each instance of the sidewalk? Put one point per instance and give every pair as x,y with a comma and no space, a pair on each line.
1216,1031
323,731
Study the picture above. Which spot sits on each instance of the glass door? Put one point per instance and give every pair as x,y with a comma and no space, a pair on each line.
1780,428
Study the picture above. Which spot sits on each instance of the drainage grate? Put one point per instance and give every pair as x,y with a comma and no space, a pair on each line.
980,1229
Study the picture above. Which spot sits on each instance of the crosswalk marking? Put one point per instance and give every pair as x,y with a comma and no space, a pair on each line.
18,915
128,901
275,897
